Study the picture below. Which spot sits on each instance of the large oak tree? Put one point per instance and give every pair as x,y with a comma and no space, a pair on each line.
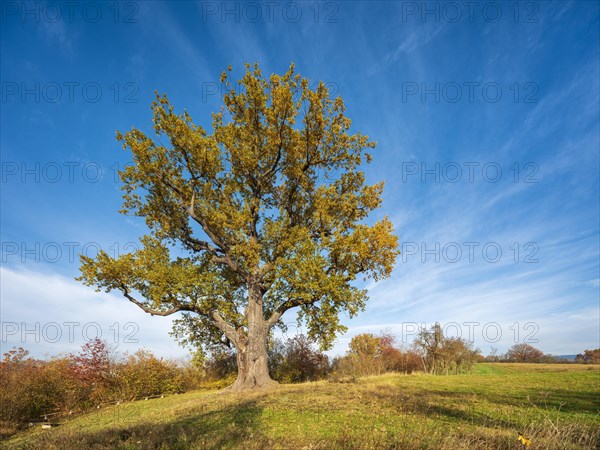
263,215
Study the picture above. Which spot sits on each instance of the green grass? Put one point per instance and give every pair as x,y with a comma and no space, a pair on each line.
557,406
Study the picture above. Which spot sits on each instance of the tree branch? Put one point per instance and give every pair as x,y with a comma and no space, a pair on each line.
151,311
220,246
221,324
229,331
289,304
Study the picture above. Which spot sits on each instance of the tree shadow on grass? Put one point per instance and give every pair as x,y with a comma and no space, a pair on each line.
232,426
436,404
565,400
459,407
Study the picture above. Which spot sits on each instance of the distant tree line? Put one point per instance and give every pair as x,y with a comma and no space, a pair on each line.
526,353
589,356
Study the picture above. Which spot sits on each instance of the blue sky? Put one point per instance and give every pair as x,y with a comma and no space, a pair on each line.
486,119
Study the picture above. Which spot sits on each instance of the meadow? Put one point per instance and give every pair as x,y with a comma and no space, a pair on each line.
556,406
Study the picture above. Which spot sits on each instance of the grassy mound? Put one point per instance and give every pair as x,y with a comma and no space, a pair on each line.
556,406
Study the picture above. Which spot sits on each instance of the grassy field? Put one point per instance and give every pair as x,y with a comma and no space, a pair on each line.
556,406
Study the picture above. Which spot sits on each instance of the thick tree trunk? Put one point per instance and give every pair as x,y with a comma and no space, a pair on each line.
252,358
253,370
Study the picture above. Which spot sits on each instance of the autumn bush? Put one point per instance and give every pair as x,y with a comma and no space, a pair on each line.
30,388
219,364
402,360
95,369
296,361
143,374
443,355
371,354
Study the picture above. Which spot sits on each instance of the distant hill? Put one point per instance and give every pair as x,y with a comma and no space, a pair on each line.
567,357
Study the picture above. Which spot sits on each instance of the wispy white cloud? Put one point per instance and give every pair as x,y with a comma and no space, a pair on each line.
56,32
136,67
51,314
414,40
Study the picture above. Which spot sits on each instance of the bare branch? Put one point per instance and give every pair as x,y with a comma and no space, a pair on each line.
229,331
288,304
152,311
221,324
271,321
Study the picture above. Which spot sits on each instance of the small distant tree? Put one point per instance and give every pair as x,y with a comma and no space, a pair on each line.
93,368
493,355
365,344
445,355
524,353
92,364
589,356
429,343
365,355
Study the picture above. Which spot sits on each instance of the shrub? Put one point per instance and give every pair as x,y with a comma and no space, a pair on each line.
443,355
297,361
95,371
30,388
369,354
220,364
143,375
402,360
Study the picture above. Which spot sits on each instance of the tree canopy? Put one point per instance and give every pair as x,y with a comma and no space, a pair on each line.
524,353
